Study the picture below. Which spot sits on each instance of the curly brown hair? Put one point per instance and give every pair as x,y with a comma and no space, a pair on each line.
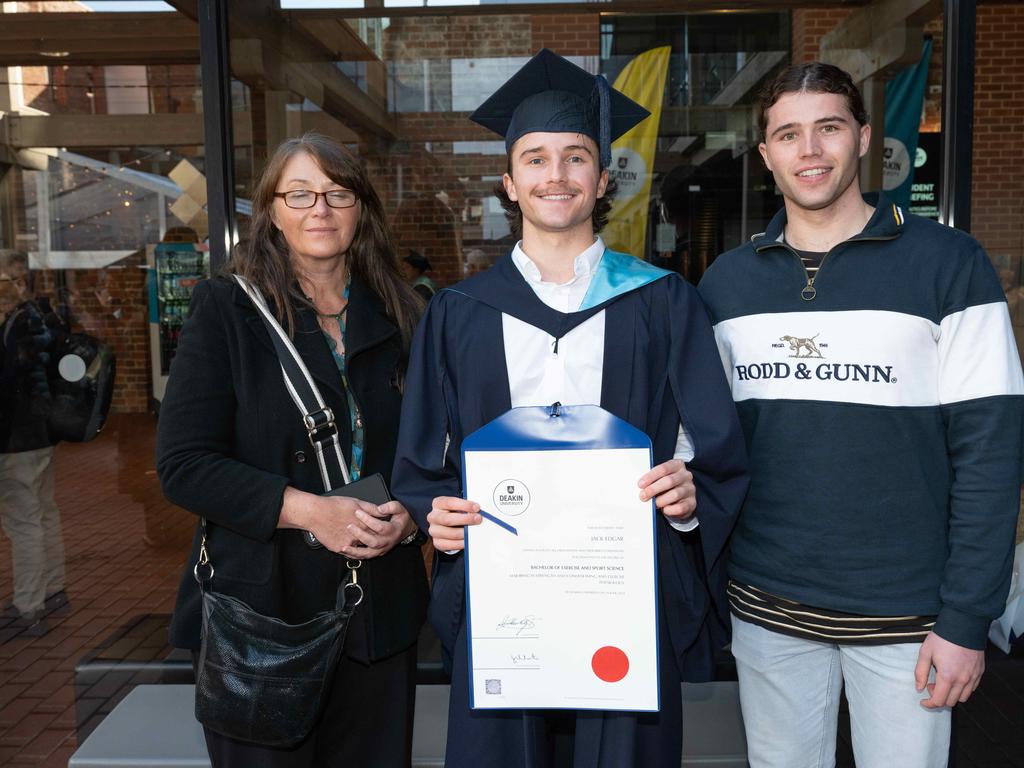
263,257
811,77
514,215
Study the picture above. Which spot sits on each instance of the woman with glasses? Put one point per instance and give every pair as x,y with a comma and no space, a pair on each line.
232,448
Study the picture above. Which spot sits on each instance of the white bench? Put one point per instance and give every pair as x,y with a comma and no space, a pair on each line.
154,727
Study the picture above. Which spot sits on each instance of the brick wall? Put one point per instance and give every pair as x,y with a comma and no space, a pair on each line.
809,26
569,35
997,207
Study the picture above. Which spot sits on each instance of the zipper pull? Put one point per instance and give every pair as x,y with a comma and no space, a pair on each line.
554,348
809,291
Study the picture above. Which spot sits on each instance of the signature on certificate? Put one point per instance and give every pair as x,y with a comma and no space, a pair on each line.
525,658
517,624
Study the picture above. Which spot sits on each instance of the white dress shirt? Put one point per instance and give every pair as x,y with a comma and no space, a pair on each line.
539,373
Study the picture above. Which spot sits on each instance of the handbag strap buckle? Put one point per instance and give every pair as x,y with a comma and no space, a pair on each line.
203,562
353,582
320,425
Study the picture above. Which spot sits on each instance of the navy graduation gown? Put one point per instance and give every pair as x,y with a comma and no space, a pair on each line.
661,365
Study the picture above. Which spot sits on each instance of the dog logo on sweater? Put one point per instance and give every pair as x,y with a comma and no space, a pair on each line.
796,344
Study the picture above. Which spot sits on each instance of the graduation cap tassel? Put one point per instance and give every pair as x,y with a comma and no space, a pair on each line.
605,120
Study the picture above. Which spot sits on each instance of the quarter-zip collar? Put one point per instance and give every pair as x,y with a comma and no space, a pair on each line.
886,223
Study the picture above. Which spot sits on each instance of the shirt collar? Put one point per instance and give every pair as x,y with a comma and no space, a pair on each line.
583,265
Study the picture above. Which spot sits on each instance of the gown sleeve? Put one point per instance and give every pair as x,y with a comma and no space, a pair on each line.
426,464
702,395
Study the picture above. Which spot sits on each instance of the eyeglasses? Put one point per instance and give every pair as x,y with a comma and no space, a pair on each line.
306,198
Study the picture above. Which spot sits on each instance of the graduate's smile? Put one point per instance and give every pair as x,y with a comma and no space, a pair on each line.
559,196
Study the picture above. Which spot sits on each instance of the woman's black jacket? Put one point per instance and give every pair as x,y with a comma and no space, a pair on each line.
230,440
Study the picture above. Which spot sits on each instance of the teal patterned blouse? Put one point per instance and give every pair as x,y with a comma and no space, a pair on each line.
358,430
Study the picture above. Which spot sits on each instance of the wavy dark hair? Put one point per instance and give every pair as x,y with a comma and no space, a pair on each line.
811,77
263,258
514,214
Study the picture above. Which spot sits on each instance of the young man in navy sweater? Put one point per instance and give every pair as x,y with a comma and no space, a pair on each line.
873,364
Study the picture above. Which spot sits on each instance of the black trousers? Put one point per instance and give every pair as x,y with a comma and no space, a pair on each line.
367,721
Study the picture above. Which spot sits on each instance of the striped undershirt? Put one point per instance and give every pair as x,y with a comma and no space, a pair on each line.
790,618
811,260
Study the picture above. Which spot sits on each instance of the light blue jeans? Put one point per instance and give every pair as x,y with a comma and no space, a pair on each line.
789,694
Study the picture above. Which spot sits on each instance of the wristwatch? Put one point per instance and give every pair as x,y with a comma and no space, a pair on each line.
412,538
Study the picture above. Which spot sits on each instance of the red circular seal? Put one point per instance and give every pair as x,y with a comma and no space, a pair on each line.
610,664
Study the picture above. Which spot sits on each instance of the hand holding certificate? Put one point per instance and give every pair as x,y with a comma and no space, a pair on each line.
561,574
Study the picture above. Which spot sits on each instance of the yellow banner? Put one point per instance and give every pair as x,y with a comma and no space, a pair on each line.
632,166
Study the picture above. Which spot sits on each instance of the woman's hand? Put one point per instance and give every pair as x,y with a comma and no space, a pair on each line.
378,531
447,518
326,517
345,525
671,486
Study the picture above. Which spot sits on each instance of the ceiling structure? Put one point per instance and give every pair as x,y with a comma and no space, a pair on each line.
298,56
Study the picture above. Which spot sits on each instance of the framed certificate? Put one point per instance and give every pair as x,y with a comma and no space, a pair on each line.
561,575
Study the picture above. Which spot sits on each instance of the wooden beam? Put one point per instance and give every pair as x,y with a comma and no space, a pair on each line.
40,39
255,64
282,56
749,77
871,173
879,39
606,7
77,131
338,37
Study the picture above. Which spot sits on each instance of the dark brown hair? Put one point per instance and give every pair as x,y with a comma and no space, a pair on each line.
263,258
812,77
514,215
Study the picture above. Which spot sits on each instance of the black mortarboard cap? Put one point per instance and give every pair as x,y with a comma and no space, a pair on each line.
551,94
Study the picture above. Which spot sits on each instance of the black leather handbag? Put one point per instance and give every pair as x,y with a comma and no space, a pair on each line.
259,679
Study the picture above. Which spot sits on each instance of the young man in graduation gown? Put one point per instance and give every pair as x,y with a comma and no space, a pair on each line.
562,318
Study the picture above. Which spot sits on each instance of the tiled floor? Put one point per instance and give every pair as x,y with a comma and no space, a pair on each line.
126,547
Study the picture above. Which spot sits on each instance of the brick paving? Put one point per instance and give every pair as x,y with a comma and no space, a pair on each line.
125,547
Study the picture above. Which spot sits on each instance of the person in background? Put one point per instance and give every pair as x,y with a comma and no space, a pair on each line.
416,266
232,448
31,518
873,363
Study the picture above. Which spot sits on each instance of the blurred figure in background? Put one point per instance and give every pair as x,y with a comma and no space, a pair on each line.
30,515
415,266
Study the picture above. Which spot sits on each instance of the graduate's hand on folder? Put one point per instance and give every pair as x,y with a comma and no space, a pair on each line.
671,486
448,516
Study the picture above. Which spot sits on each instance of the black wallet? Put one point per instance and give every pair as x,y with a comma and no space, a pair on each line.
371,488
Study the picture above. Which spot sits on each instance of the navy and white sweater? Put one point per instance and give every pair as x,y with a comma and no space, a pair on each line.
884,420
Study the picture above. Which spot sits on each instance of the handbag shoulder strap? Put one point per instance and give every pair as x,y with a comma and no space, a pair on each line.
317,417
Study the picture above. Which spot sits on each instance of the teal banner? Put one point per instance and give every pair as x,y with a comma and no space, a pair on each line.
904,97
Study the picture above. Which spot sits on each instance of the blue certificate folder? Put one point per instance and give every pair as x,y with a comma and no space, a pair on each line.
549,428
